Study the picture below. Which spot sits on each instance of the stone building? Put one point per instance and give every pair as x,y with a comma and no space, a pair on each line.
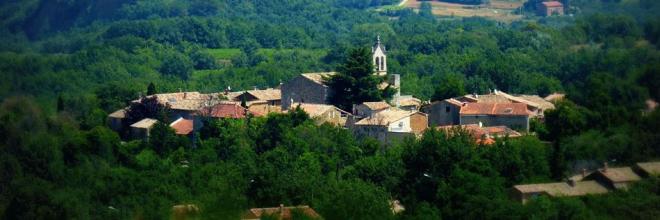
311,87
142,128
306,88
445,112
391,125
367,109
512,115
322,113
550,8
271,96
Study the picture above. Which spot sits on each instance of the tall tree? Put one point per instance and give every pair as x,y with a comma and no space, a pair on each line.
356,83
151,89
451,87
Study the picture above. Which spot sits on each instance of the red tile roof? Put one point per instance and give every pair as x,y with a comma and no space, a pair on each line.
224,110
552,4
494,109
182,126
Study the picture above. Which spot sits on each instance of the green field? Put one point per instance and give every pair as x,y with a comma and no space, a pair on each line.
224,53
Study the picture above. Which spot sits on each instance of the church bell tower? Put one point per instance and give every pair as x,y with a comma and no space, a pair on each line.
379,58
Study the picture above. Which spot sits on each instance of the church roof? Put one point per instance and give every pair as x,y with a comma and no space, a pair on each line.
318,77
378,45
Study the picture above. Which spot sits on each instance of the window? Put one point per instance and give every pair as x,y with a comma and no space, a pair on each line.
447,109
378,63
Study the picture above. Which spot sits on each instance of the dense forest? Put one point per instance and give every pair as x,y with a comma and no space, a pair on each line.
67,64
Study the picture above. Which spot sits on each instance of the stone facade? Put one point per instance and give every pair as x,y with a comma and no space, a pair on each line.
419,123
442,113
390,125
305,89
517,122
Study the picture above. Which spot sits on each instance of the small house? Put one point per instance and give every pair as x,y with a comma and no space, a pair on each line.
141,129
512,115
281,213
272,97
183,126
524,193
392,124
115,119
648,169
367,109
614,178
550,8
321,113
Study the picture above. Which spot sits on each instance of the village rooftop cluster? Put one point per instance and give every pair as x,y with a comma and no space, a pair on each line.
485,116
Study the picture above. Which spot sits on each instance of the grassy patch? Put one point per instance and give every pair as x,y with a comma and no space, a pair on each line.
224,53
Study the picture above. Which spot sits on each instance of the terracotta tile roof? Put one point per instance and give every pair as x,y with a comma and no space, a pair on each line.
619,174
266,94
580,188
554,97
385,117
454,102
494,109
651,168
281,212
501,97
224,110
189,101
553,4
376,105
540,102
144,123
182,126
483,135
408,101
318,77
488,98
315,110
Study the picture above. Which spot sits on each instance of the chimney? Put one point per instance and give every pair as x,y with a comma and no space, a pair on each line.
604,167
281,208
254,87
180,90
185,94
584,172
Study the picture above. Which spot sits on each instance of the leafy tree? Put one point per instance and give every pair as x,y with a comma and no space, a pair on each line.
151,89
175,64
451,86
356,83
147,107
355,199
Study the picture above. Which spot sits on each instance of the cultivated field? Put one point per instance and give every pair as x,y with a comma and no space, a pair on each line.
501,10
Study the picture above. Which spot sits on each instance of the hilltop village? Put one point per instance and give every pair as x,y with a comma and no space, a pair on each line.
486,116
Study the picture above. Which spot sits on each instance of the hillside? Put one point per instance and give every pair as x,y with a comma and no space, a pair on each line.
67,65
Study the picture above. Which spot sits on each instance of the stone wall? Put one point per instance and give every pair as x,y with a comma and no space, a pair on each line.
514,122
303,90
442,113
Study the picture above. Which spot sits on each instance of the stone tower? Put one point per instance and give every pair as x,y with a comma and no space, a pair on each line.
379,58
